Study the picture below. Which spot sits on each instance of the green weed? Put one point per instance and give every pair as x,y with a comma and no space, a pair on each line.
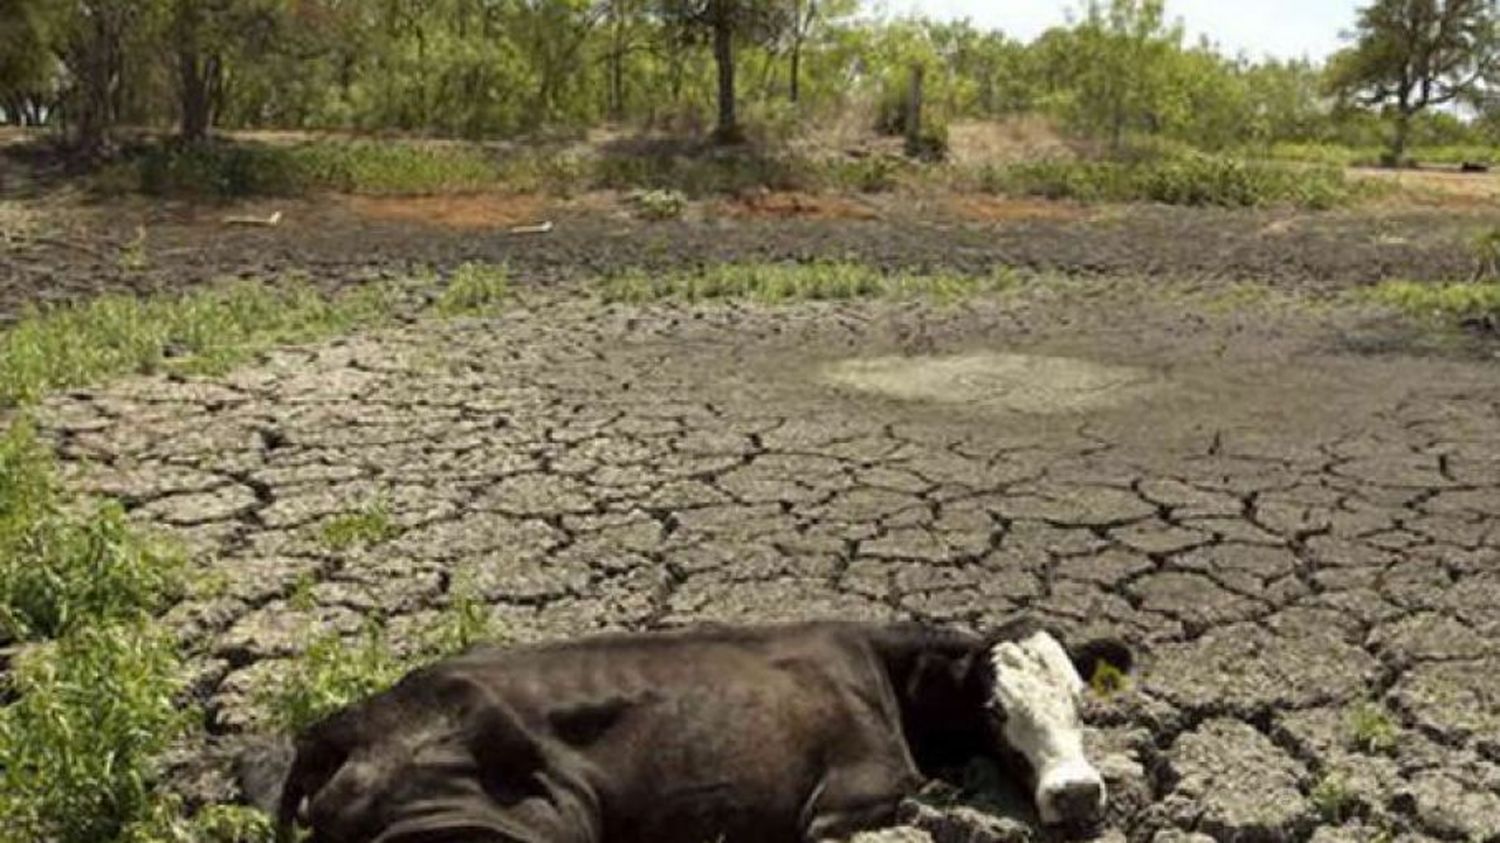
1371,728
1451,302
774,283
61,567
1333,800
1187,179
334,672
228,170
204,332
369,525
331,674
134,256
476,289
659,205
92,711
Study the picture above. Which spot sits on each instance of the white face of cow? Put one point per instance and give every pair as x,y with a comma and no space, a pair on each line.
1038,690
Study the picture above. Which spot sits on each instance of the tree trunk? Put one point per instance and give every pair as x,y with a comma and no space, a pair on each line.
914,112
796,68
1400,138
728,130
617,61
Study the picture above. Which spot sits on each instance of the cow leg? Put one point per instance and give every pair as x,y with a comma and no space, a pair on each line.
855,798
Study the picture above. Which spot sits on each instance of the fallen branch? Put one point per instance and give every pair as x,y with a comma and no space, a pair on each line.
266,222
540,228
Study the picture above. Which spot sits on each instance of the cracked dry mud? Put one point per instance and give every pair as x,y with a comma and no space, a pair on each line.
1295,531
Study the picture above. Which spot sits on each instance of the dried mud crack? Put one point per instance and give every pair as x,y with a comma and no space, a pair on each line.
1305,540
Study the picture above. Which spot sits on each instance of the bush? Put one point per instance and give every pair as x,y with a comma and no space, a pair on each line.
230,170
60,569
92,712
205,331
1193,179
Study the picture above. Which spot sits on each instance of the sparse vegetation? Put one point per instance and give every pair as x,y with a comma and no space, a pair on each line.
335,671
1190,179
475,289
772,283
1371,728
1108,680
368,525
202,332
60,567
659,204
1333,799
1456,303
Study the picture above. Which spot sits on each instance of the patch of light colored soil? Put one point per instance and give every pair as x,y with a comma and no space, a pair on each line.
1020,383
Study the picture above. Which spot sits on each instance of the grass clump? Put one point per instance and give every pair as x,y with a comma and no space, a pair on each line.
369,525
334,672
1180,179
204,332
1333,799
775,283
659,205
1371,728
61,568
92,711
236,169
1457,302
475,289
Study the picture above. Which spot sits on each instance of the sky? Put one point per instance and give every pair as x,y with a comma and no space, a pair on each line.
1281,28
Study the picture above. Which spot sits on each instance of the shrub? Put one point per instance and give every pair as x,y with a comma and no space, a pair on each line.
1194,179
205,331
475,289
1454,302
368,525
60,568
91,713
771,283
659,204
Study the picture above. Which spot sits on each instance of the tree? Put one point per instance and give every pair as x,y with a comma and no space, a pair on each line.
725,21
1114,69
28,67
1411,55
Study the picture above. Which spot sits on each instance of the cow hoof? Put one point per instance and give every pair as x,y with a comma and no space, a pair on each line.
1071,794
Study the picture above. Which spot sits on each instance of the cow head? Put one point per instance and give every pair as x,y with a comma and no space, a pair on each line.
1038,686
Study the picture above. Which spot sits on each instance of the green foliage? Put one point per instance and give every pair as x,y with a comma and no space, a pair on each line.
206,331
1454,302
61,568
1333,800
475,289
228,170
91,713
371,524
334,672
1410,57
1371,728
773,283
659,204
1192,179
329,675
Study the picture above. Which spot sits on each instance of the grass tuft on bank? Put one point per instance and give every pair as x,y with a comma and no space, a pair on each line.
773,283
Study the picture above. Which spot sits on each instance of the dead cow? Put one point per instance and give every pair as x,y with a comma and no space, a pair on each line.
785,733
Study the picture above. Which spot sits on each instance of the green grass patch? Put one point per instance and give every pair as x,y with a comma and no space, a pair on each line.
234,169
1184,179
1333,799
62,567
1451,302
1371,728
476,289
772,283
369,525
204,332
93,710
334,671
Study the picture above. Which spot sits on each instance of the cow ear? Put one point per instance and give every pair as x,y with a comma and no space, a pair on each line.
1103,664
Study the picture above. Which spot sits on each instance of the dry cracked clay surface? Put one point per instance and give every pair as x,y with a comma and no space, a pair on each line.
1303,537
